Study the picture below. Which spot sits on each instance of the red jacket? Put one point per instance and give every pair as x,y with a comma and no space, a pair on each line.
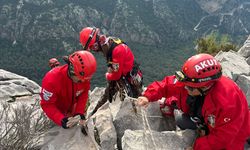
62,97
225,104
123,60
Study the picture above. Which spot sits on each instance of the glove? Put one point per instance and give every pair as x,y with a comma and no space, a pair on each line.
64,122
72,121
82,119
68,122
142,101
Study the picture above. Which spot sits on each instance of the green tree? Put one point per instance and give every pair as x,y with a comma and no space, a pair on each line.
213,43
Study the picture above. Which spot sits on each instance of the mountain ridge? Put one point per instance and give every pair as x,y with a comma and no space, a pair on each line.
32,31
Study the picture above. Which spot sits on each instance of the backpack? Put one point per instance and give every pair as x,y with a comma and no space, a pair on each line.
135,75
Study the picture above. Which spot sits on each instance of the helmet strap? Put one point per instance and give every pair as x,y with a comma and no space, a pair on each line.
71,70
66,59
202,93
90,38
99,46
204,90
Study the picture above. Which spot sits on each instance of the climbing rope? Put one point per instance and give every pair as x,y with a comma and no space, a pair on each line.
146,126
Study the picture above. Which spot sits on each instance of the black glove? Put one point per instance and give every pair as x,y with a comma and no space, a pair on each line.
81,115
64,122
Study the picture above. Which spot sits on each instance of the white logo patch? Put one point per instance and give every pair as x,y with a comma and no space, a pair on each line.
204,64
211,120
46,94
227,119
78,93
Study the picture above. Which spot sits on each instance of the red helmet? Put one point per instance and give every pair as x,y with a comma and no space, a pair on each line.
53,62
88,37
83,64
199,71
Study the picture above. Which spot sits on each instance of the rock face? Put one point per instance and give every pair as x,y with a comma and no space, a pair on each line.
136,130
118,125
152,25
124,120
22,119
236,66
58,138
14,87
245,50
168,140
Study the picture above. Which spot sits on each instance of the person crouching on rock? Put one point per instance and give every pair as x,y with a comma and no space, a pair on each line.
211,103
65,88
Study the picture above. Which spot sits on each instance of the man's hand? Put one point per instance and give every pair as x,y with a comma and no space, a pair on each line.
72,121
189,148
142,101
109,70
69,122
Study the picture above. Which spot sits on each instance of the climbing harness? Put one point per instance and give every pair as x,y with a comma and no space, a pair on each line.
126,92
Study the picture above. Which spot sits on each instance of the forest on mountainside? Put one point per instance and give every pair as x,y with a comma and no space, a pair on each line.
161,34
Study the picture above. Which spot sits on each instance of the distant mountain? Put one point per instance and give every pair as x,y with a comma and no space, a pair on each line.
228,16
160,32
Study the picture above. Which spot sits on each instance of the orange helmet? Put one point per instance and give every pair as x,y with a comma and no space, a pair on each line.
199,71
53,62
88,37
82,64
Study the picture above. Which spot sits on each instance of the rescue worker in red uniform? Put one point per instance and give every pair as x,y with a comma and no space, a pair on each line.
65,89
120,62
211,103
53,62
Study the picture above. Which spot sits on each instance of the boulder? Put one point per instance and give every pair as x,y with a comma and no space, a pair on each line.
168,140
233,64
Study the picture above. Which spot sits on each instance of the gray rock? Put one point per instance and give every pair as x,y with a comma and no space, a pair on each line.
248,60
14,90
13,86
30,85
244,83
126,118
245,50
105,128
233,64
146,140
157,121
71,139
94,97
6,75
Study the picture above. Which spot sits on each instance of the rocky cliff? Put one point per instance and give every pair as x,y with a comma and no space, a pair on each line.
32,31
115,125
